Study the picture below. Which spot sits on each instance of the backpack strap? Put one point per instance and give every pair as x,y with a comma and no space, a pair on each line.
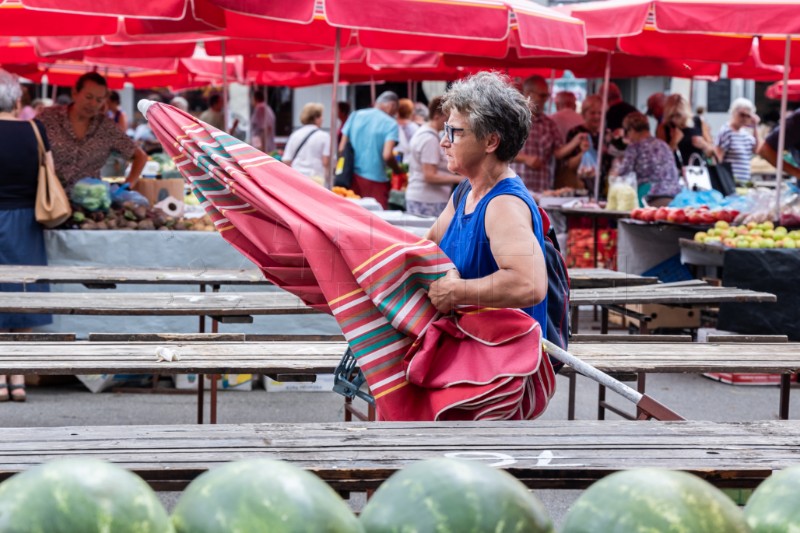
458,194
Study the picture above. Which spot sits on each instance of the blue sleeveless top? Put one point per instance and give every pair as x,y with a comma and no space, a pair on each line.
466,244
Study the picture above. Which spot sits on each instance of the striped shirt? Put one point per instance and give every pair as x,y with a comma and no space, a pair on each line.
738,147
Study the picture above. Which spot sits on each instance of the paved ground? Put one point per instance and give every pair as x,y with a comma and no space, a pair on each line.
692,396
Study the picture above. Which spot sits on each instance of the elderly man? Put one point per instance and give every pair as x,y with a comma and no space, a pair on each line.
535,164
566,117
82,137
373,133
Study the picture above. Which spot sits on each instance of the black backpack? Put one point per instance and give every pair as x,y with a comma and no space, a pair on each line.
557,330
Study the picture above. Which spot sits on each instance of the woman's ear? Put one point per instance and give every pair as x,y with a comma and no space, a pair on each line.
492,142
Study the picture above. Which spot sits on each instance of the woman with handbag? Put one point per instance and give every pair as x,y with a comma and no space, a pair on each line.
308,149
21,236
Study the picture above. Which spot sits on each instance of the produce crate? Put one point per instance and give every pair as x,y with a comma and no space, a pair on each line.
744,379
324,383
661,316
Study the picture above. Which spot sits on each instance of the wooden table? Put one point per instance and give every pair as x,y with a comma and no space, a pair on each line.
108,278
223,307
360,456
81,357
597,278
682,293
687,358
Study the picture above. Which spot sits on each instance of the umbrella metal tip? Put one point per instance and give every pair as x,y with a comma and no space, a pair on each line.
144,105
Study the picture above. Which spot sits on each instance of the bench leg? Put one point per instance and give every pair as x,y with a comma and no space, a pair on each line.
575,315
604,320
348,413
212,408
601,400
786,387
201,386
640,386
573,379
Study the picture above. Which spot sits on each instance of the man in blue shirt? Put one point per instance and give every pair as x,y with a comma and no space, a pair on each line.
373,133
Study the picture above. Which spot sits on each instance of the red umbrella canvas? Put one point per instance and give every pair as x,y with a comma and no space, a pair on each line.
371,276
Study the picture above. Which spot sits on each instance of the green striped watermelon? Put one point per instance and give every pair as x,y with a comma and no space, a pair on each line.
80,496
261,495
453,496
654,500
774,507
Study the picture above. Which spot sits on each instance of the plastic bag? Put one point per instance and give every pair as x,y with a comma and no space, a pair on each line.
91,194
622,192
687,198
121,194
588,163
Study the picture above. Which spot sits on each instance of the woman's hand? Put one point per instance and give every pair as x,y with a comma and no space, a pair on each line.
442,292
675,136
584,142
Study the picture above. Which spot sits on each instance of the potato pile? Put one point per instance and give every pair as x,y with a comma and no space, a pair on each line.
132,217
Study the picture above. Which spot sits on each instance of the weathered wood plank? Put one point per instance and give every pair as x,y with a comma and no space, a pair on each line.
359,456
165,337
160,303
682,293
595,278
119,275
37,337
323,357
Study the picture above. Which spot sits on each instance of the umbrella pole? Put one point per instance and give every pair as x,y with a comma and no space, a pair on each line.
552,87
648,407
334,114
224,86
601,140
782,131
372,91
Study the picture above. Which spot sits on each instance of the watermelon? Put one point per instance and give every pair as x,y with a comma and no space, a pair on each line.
454,496
80,496
774,507
654,499
261,495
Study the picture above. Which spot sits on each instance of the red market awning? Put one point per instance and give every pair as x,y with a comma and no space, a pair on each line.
17,21
748,17
775,91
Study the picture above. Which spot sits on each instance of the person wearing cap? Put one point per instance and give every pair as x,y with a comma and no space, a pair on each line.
373,133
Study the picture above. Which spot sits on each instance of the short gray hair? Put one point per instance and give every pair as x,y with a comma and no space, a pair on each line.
492,104
387,97
10,91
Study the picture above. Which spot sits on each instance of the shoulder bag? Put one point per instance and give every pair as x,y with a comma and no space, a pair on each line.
52,204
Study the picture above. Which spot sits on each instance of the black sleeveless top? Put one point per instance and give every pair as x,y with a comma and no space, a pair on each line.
685,147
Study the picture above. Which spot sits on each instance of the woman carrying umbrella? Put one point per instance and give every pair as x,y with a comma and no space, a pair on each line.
494,236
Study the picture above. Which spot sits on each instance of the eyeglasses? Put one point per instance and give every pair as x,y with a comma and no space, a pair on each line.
450,132
745,116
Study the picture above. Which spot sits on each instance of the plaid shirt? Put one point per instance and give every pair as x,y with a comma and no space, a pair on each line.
543,139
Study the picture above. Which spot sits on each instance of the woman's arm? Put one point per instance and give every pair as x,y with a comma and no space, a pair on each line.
431,174
521,280
436,232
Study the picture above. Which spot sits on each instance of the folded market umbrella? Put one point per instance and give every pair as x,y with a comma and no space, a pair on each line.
371,276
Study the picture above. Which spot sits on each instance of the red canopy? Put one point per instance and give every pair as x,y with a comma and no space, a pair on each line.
749,17
488,27
17,21
775,91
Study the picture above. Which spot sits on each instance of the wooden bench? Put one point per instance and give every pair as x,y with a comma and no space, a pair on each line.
282,357
360,456
683,293
677,356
